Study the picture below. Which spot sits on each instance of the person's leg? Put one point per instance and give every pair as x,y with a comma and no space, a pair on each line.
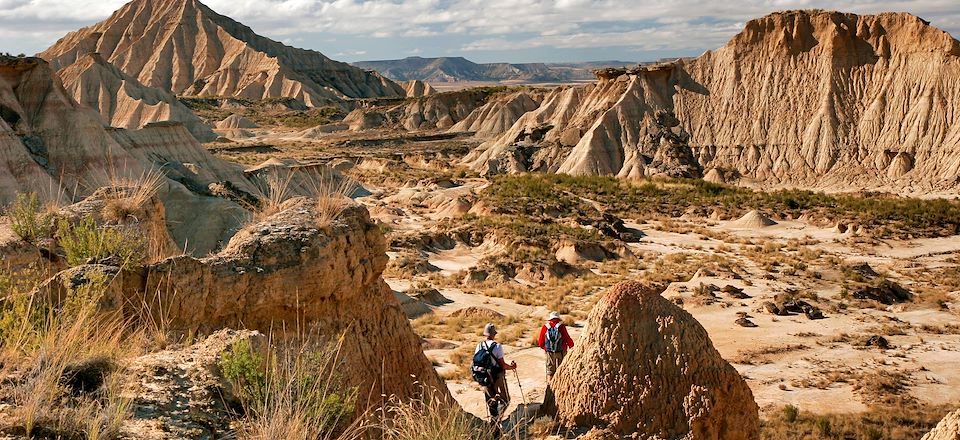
490,395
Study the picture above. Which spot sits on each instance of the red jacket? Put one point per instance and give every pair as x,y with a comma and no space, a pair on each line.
567,340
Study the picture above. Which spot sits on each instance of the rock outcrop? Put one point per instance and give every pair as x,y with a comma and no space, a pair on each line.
122,101
947,429
818,99
291,273
59,149
498,114
185,47
645,367
417,89
437,111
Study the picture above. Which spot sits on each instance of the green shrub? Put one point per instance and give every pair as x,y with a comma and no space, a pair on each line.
29,221
85,241
293,392
791,413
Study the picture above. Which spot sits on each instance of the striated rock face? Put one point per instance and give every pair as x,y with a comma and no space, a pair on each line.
947,429
645,366
59,149
437,111
498,114
187,48
122,101
800,98
416,88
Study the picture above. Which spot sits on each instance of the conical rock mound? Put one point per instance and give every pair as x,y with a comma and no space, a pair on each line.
122,101
645,366
753,219
947,429
416,89
185,47
234,122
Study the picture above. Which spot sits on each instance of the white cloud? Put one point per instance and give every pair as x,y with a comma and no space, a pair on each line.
473,25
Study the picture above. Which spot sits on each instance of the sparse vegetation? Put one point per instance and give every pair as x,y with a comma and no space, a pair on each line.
84,241
30,220
292,392
903,422
886,216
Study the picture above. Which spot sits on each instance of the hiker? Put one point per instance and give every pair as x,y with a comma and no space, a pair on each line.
488,370
555,341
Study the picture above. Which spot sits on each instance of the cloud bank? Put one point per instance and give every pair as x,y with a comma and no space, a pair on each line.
484,30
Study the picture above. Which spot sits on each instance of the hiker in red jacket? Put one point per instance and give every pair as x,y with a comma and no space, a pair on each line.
554,340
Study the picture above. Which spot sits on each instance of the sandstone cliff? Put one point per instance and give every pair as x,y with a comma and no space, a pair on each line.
122,101
187,48
645,367
800,98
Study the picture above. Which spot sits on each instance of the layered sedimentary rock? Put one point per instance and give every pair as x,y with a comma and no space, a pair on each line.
799,98
187,48
416,88
437,111
498,114
122,101
288,273
59,149
645,367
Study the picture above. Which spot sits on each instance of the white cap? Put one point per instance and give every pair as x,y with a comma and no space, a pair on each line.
554,315
489,329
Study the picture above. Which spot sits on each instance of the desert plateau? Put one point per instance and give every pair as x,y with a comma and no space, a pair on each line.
474,230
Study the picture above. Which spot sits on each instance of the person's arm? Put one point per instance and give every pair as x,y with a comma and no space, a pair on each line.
542,340
567,340
498,353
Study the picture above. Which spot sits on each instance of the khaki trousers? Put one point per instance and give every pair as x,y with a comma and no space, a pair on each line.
553,362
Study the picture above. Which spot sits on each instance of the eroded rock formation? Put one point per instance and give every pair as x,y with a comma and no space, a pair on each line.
798,98
645,366
122,101
187,48
947,429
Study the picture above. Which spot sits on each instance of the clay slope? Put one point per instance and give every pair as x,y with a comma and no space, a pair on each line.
799,98
436,111
645,368
59,149
124,102
498,114
187,48
947,429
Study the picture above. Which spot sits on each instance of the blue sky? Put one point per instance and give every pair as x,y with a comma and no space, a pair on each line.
481,30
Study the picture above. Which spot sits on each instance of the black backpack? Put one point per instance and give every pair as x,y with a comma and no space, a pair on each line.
485,365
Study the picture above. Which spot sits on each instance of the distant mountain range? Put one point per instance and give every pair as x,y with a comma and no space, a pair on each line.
456,69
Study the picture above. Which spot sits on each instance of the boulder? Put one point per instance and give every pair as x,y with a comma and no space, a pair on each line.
645,367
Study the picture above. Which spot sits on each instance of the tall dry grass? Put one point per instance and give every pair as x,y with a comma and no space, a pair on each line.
329,191
65,362
292,391
432,417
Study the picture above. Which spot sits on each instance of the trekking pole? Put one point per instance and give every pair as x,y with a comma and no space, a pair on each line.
522,396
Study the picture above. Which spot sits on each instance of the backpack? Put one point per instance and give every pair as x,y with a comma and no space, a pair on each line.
485,365
554,340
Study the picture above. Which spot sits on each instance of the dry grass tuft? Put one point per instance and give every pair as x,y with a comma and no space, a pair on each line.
429,418
65,365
